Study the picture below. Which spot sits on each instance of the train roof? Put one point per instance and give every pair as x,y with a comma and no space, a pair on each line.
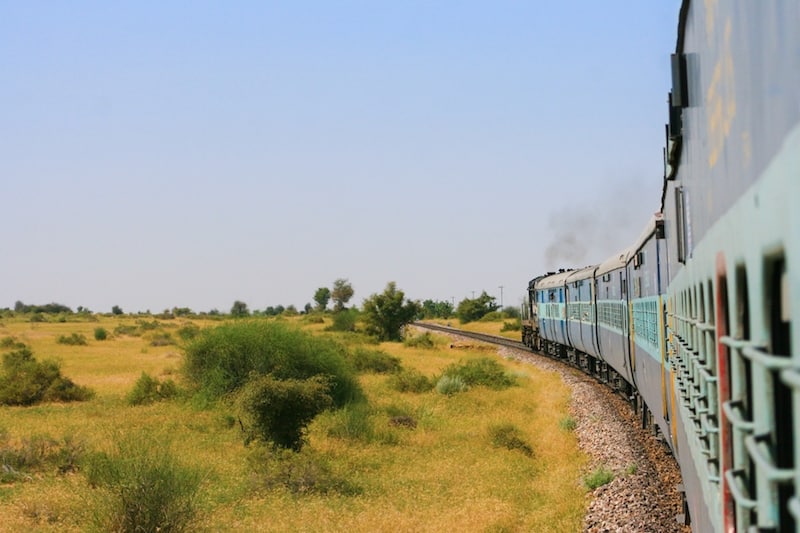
554,280
621,258
614,262
582,273
648,231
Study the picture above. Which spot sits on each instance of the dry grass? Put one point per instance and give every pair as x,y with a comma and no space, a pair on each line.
443,475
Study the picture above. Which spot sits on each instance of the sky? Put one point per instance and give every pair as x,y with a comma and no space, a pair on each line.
193,153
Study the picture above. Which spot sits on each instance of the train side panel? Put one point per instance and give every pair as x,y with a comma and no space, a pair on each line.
611,297
733,162
551,302
581,316
652,373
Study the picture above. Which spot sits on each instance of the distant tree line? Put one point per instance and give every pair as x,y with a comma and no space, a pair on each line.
53,308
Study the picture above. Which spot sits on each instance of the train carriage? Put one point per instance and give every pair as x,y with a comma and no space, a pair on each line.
646,286
611,302
549,297
698,317
581,315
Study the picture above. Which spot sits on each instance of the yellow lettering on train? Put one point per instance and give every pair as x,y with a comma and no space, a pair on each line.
711,15
721,99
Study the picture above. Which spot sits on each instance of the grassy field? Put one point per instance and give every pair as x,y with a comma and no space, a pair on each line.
444,474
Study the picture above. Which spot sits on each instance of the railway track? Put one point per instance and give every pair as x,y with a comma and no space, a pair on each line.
493,339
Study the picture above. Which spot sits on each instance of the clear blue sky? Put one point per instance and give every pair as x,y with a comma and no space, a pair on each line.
161,154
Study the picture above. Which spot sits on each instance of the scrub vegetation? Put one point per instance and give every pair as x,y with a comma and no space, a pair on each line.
284,421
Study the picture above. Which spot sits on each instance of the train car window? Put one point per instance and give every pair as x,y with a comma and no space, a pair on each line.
638,259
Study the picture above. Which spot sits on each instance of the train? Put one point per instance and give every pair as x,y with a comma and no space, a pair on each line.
696,322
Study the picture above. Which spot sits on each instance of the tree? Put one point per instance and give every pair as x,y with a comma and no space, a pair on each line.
431,309
470,310
322,297
239,309
385,314
341,294
117,310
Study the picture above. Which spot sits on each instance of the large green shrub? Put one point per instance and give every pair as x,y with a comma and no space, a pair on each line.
142,487
387,313
278,411
26,381
222,359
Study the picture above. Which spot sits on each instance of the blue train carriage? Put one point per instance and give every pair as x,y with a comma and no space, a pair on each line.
732,175
645,267
550,293
582,319
611,300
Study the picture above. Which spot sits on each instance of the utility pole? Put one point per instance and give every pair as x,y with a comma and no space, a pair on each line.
501,297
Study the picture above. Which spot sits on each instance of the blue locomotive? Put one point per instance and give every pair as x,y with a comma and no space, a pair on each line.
696,322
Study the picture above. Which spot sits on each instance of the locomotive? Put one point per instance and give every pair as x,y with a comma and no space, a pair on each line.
696,322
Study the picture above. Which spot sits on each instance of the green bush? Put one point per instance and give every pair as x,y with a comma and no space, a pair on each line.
449,385
300,473
148,390
148,325
482,371
222,359
100,334
188,331
410,380
515,325
352,422
508,436
313,318
75,339
494,316
26,381
143,488
36,454
278,411
378,361
344,320
10,342
598,478
127,329
424,340
161,338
